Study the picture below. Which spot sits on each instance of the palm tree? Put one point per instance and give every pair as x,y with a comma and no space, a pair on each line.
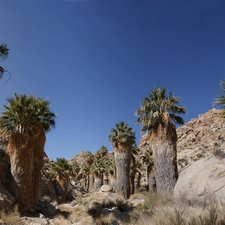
157,116
220,99
98,168
62,167
62,170
4,51
134,152
122,138
147,159
75,168
88,158
110,167
137,178
26,119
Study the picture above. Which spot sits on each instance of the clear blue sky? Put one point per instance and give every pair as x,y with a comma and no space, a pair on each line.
95,60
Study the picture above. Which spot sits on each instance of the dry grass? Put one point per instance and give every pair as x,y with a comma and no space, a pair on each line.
163,210
60,220
105,219
158,209
10,217
80,214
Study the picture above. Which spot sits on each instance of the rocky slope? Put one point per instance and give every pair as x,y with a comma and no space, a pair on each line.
201,137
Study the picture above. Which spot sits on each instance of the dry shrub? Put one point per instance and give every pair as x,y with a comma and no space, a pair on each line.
188,215
107,200
137,196
60,220
10,217
94,209
46,199
123,205
81,215
105,220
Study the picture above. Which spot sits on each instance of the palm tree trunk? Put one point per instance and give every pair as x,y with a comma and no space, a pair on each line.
137,180
97,181
163,141
122,157
88,179
26,153
151,178
112,180
132,174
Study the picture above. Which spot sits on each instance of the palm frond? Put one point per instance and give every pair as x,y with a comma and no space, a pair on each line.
23,112
159,108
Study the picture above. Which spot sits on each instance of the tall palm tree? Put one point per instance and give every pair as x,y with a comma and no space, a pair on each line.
157,116
134,152
4,51
26,119
88,158
122,138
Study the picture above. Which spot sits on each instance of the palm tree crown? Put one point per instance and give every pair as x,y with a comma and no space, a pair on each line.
159,108
23,112
4,51
122,134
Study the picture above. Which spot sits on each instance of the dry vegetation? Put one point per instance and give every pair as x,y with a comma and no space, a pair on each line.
157,209
10,217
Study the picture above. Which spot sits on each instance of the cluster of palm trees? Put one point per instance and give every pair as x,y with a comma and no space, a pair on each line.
26,120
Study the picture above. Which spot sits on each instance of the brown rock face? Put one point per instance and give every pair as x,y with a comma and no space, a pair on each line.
26,153
201,137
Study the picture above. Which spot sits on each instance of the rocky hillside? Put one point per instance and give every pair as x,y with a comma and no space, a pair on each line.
201,137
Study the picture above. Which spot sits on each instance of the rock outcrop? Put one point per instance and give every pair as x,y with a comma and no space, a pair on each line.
204,179
201,137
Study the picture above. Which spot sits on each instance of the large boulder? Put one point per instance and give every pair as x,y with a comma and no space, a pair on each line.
202,180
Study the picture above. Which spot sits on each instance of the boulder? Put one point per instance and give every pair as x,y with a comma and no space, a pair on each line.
202,180
106,188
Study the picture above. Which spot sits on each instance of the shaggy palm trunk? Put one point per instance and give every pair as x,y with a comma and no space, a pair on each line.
151,178
112,179
132,174
163,141
98,180
88,179
105,178
122,157
137,180
26,151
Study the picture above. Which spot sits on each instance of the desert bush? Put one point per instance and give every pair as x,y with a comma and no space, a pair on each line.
10,217
123,205
219,153
46,199
80,214
106,220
